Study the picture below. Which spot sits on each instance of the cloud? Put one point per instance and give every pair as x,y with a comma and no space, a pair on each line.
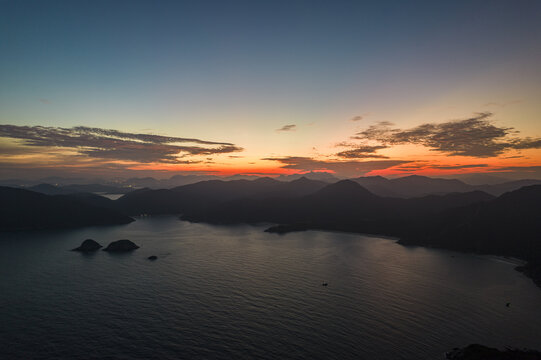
413,166
115,145
89,170
457,167
362,152
475,137
526,143
344,168
44,101
502,104
519,172
14,150
425,165
291,127
535,168
360,117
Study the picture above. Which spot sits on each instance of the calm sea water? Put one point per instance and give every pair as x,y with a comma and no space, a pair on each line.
240,293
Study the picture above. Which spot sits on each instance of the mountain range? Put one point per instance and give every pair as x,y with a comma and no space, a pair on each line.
403,187
416,185
501,219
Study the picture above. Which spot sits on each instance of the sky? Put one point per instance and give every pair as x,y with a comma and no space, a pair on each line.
355,88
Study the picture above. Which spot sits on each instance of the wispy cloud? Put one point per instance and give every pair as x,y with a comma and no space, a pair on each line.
363,152
291,127
360,117
502,104
519,172
343,168
458,167
535,168
116,145
475,137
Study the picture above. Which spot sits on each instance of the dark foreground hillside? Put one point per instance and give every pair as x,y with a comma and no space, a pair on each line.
508,225
344,205
480,352
23,209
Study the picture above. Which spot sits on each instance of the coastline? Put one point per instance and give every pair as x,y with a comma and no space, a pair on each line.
527,268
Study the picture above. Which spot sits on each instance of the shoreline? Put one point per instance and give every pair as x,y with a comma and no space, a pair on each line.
527,268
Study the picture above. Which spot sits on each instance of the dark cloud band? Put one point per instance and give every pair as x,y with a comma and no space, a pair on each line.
290,127
476,137
343,168
115,145
363,152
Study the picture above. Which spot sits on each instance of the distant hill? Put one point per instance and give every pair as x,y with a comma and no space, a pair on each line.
464,221
24,209
312,175
416,186
482,179
180,180
499,189
344,205
508,225
148,201
206,194
412,186
77,188
405,187
94,200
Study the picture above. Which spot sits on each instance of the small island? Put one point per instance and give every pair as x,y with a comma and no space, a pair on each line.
123,245
88,245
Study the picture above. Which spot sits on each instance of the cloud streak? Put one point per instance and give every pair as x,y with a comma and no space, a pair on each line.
344,168
363,152
458,167
116,145
360,117
291,127
475,137
503,104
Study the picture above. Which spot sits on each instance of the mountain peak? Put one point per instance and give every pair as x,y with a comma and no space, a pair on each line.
265,180
302,179
345,188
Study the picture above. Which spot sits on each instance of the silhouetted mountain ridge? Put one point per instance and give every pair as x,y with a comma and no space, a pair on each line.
49,189
24,209
206,194
345,205
416,186
507,225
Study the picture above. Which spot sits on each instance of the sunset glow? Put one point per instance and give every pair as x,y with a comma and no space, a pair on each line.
350,97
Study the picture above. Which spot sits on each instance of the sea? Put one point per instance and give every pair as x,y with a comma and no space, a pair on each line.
236,292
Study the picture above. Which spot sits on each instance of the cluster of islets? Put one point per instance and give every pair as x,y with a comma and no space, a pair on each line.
123,245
